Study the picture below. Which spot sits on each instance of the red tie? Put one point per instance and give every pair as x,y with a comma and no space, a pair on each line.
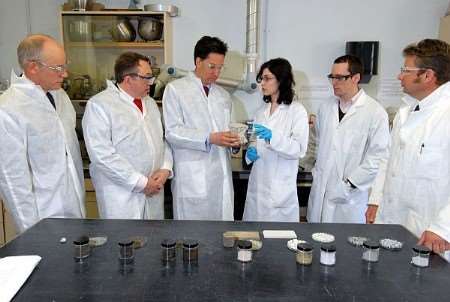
138,103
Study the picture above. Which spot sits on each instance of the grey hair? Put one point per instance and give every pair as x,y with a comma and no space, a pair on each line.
30,49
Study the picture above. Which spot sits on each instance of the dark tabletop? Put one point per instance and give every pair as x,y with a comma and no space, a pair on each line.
273,275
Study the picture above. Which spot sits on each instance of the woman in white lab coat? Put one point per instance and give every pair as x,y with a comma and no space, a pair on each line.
281,127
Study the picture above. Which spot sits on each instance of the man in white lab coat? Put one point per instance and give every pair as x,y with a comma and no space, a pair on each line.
41,172
413,186
130,161
353,136
197,115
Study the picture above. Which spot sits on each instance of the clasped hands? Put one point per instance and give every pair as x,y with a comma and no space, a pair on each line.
156,182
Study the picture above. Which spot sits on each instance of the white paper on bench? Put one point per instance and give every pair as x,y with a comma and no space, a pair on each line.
14,271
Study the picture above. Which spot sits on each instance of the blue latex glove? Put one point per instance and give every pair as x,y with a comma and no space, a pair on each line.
252,154
262,132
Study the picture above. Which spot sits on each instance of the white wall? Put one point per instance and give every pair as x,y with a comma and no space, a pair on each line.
310,33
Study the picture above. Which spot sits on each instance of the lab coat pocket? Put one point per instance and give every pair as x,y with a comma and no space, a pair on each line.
429,164
340,194
283,194
191,174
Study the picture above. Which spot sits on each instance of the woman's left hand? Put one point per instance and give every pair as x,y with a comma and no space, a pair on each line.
262,132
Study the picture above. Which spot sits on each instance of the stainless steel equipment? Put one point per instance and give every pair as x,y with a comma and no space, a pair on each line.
81,5
81,31
123,31
150,29
171,9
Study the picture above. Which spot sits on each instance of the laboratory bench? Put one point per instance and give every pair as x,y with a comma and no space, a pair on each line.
272,275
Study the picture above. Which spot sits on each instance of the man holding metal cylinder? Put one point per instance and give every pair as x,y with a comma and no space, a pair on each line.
197,114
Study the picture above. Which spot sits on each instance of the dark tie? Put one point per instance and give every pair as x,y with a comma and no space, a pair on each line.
417,108
206,88
51,99
138,103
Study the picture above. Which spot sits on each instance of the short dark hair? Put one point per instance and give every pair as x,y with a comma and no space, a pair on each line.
207,45
432,54
355,64
282,70
127,63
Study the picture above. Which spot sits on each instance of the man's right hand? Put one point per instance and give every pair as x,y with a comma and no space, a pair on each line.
371,213
153,187
224,139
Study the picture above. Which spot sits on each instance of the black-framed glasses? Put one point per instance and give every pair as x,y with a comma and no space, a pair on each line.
150,79
339,78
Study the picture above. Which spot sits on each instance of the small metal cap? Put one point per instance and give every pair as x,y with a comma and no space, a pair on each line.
328,247
82,240
306,247
244,244
420,249
370,244
168,243
190,243
126,242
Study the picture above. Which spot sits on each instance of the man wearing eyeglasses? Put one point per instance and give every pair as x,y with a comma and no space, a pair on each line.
413,186
41,172
197,114
353,136
130,161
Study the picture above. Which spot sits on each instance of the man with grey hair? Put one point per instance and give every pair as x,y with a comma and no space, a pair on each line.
41,171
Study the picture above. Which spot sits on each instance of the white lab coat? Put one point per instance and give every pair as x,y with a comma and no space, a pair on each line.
202,187
413,186
124,145
272,188
41,172
350,149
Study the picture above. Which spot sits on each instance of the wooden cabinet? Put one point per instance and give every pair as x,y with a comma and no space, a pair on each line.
91,41
2,227
7,228
444,29
91,202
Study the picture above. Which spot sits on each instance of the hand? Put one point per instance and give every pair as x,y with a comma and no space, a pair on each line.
262,132
152,187
160,176
371,213
225,139
434,242
252,154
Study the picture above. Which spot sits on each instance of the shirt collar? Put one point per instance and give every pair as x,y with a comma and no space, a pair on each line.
429,101
124,95
345,106
25,83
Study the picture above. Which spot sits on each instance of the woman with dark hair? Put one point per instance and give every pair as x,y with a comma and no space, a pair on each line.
281,126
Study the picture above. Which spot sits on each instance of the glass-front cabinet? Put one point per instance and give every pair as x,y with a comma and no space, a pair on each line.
94,39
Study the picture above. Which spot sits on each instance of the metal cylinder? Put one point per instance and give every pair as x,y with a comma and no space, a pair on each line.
252,35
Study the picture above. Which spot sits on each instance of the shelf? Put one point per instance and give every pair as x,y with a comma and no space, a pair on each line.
112,13
139,44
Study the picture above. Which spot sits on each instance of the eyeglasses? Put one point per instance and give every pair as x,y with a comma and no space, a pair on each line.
264,78
56,68
405,69
149,79
339,78
212,66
